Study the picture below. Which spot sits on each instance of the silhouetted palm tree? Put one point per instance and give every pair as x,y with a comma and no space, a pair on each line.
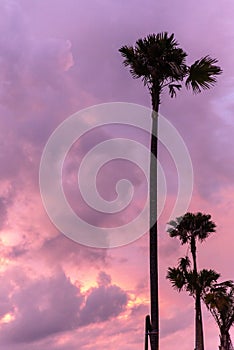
184,278
190,228
220,302
159,63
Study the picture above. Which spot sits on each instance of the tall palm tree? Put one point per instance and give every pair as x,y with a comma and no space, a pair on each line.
160,63
220,302
190,228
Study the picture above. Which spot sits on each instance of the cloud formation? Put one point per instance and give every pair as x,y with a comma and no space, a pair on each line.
43,307
58,57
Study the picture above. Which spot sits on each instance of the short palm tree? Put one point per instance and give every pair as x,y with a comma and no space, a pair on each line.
160,63
183,277
220,302
190,228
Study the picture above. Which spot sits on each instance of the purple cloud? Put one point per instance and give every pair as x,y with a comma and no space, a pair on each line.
102,304
43,307
56,58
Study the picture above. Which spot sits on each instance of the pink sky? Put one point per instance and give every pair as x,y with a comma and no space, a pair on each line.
58,57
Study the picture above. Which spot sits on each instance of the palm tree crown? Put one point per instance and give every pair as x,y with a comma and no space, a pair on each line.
220,302
159,62
189,226
182,278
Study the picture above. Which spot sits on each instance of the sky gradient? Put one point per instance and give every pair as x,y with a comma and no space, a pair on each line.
56,58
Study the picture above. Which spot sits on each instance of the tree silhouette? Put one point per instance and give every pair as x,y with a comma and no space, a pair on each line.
183,277
190,228
160,63
220,302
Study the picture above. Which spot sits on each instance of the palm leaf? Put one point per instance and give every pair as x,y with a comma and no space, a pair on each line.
202,74
184,264
137,67
173,88
176,277
220,301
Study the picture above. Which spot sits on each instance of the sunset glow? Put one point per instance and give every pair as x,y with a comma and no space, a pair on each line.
58,58
7,318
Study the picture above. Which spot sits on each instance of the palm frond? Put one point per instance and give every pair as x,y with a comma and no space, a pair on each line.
184,264
207,278
173,88
176,277
137,67
220,301
202,74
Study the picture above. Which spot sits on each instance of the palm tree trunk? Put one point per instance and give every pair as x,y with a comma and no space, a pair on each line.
199,336
225,340
198,324
154,335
